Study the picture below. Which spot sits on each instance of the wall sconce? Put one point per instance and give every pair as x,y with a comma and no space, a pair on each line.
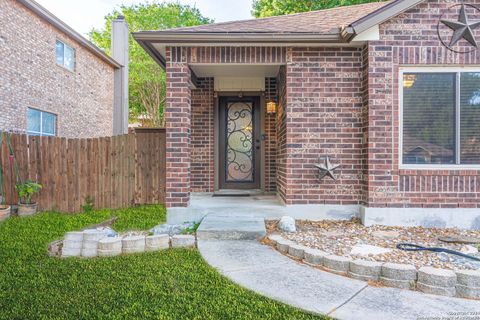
271,107
409,80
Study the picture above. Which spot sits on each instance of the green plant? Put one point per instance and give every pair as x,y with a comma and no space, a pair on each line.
192,229
169,284
26,190
89,204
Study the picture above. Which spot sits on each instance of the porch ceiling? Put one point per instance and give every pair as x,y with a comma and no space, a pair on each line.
229,70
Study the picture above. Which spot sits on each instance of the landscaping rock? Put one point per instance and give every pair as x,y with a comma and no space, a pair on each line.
158,242
396,275
172,229
183,241
365,250
314,257
365,270
336,264
296,251
467,249
109,247
390,235
133,244
283,245
287,224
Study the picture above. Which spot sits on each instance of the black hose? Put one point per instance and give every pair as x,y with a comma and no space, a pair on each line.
414,247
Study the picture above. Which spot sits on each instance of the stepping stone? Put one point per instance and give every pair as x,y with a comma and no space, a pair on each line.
366,250
231,227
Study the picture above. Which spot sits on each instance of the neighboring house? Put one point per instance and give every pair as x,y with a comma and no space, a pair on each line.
55,82
257,104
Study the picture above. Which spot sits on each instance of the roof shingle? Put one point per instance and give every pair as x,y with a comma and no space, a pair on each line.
321,21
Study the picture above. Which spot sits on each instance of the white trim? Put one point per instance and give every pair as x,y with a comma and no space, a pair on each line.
433,69
371,34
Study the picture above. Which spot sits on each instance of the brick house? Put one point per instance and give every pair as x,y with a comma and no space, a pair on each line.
53,81
388,91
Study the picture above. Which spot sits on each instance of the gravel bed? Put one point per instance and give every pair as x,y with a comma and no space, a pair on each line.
339,237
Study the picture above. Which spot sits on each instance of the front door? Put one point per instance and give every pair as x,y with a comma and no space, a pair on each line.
239,150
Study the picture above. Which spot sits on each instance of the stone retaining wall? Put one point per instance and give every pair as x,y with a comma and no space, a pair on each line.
459,283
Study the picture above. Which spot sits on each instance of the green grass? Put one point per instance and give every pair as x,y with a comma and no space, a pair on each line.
172,284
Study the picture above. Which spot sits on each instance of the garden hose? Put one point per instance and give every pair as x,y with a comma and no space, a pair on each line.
414,247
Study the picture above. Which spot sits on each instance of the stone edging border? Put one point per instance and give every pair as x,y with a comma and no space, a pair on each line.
76,244
444,282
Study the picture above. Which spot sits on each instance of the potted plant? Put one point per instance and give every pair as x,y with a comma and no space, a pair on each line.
4,209
25,192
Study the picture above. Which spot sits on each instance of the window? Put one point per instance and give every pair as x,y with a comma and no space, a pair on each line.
41,123
441,118
65,56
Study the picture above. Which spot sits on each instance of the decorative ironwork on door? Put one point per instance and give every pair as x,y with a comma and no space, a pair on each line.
239,146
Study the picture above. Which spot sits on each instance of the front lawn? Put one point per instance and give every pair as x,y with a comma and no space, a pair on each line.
172,284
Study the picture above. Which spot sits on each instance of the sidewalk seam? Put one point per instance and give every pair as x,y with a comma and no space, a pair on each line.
347,301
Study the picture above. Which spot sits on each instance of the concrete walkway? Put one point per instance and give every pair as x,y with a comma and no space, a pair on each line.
261,269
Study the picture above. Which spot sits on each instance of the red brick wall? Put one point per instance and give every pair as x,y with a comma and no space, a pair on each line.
202,137
281,132
178,126
201,160
411,39
324,117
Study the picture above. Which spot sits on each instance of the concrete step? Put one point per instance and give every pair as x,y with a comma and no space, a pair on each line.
231,227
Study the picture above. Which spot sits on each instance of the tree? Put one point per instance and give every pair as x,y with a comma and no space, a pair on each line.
267,8
147,79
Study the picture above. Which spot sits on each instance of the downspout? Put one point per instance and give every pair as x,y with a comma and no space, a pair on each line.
120,35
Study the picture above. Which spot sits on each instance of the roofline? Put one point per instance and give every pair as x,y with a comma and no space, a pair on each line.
62,26
235,37
381,15
344,35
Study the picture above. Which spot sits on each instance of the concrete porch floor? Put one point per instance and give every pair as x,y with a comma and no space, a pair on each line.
260,206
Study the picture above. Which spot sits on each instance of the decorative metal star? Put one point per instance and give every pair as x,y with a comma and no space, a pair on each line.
327,169
462,29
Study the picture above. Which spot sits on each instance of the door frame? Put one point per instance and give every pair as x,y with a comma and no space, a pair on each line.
216,128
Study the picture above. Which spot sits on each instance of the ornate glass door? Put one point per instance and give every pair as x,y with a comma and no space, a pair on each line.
239,156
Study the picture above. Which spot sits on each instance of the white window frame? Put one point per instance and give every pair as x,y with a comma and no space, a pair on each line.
74,55
433,69
41,133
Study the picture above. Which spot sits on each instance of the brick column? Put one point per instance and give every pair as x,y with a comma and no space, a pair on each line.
178,123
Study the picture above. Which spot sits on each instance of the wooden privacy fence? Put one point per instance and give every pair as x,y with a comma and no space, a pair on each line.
114,172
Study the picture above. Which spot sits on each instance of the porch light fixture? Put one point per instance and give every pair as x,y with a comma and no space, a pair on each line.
409,80
271,107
